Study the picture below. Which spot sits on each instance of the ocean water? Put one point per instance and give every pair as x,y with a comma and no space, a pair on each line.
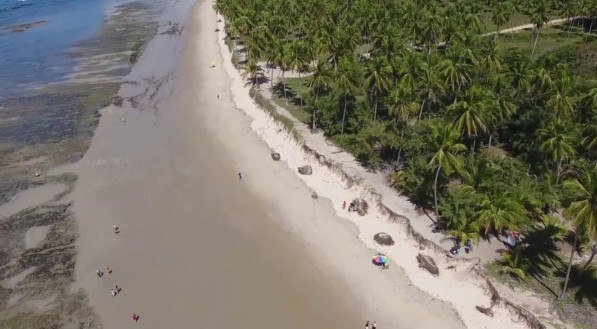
34,56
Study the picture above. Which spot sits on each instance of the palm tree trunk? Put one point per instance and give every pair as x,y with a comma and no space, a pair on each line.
497,32
490,138
271,77
314,112
301,97
421,110
590,258
343,117
590,28
535,44
375,108
569,266
570,28
284,88
435,187
558,171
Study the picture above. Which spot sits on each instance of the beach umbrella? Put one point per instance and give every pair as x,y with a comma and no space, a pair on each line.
380,259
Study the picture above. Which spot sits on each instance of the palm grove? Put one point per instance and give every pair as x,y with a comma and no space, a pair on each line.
492,138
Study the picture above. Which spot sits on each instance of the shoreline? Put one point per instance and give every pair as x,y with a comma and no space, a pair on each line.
330,180
44,129
152,176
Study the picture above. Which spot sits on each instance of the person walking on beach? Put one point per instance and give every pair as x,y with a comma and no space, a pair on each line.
374,325
99,273
240,176
367,325
113,292
344,207
109,270
116,230
135,317
118,289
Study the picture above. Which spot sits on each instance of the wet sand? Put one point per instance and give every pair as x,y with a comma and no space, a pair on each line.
199,248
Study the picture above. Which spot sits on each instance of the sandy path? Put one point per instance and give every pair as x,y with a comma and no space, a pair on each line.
529,26
200,249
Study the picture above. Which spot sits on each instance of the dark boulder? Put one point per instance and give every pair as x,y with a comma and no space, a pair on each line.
305,170
276,156
383,239
360,206
427,263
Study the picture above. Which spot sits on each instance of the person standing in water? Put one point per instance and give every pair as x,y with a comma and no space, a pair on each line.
240,176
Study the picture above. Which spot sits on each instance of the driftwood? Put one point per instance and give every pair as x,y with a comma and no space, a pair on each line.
485,310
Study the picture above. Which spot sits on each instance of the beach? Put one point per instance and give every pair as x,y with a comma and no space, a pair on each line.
212,232
199,247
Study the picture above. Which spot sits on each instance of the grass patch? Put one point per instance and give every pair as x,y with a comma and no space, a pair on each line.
580,303
295,88
516,20
268,106
299,85
550,40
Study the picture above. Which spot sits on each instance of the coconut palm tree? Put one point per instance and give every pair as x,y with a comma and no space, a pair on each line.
346,76
455,69
501,14
472,114
563,97
499,213
430,88
252,70
321,82
446,158
558,145
411,68
282,61
298,58
520,75
377,79
464,230
403,106
583,212
515,264
539,17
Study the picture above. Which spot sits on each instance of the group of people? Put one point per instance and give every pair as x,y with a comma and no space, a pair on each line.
373,325
113,291
116,289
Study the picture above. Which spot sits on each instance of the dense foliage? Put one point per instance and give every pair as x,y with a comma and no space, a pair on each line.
483,133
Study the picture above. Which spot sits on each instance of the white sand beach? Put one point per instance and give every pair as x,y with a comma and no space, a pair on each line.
199,248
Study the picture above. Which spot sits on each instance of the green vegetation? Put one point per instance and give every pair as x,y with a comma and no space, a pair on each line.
497,133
